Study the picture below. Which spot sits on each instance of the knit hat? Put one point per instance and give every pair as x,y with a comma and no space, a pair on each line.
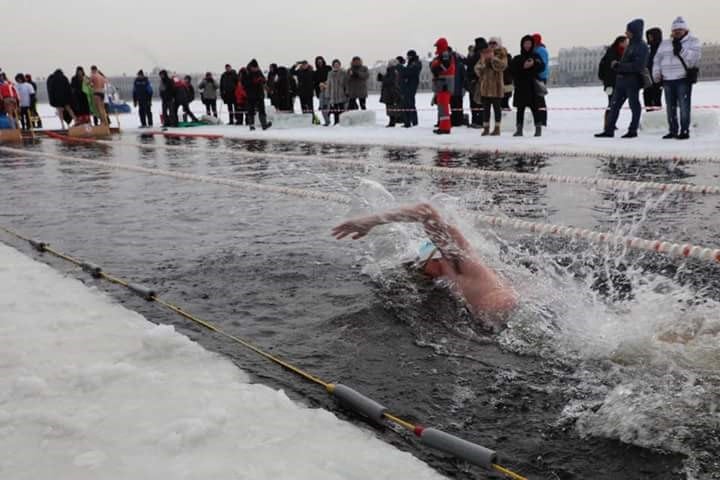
412,54
496,40
537,38
480,44
680,24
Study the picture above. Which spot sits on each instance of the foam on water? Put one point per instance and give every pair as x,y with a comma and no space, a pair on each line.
645,366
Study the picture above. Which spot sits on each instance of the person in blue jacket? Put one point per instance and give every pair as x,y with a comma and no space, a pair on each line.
142,99
409,83
629,81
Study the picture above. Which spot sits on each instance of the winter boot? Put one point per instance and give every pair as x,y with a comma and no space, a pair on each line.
486,130
496,131
519,131
538,130
266,125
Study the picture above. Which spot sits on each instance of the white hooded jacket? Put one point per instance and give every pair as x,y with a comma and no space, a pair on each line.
667,65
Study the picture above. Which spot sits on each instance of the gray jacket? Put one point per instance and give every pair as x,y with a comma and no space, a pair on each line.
357,82
337,84
209,90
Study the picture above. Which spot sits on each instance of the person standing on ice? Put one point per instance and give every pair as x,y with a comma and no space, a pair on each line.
335,92
457,113
208,88
409,83
98,82
476,111
544,76
142,99
447,256
525,70
676,66
357,84
629,81
443,70
228,81
490,86
304,73
390,93
37,121
653,95
254,83
24,91
607,74
167,95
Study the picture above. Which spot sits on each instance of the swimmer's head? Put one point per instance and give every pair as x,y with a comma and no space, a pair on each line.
428,261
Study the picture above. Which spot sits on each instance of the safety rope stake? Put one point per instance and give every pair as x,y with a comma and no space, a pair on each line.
347,396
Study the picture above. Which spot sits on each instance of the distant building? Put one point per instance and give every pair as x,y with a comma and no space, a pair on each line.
579,65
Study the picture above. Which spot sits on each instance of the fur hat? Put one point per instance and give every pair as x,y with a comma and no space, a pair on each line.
496,40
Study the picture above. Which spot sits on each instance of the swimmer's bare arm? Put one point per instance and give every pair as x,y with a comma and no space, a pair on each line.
447,238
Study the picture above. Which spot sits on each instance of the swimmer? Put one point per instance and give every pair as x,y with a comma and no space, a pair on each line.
449,257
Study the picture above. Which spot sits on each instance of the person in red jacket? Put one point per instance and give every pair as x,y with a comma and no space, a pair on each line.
240,99
443,70
9,100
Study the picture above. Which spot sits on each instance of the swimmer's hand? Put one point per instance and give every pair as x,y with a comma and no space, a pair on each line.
358,227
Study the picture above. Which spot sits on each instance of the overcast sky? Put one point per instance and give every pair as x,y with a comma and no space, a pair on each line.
121,36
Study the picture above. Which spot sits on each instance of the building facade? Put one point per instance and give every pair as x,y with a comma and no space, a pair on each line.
579,65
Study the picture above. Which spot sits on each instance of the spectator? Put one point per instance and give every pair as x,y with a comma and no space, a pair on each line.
34,117
305,75
60,96
390,93
544,54
409,83
443,70
526,68
184,96
284,91
490,86
142,99
167,95
676,66
496,42
208,88
270,85
320,74
629,71
457,115
81,102
240,100
653,94
357,87
476,111
336,92
8,103
254,84
607,74
97,82
24,93
228,82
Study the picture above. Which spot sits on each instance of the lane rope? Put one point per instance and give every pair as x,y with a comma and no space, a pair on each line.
629,185
330,388
664,247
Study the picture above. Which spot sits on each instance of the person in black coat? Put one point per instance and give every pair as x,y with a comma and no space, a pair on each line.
283,91
142,98
390,94
254,84
605,71
228,82
81,106
653,95
409,83
167,95
184,96
320,75
476,110
457,115
60,96
526,68
304,73
629,81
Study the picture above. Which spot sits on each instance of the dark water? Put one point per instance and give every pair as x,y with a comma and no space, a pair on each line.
264,267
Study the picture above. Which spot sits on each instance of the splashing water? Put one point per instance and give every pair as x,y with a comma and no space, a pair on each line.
644,350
